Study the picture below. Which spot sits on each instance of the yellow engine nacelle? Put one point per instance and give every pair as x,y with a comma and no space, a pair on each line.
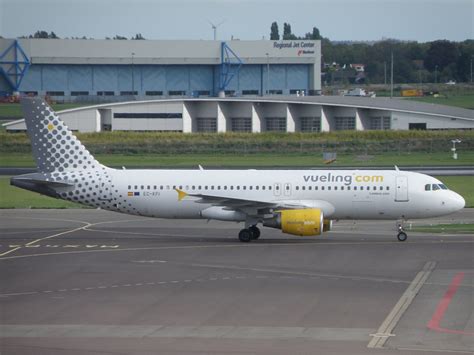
304,222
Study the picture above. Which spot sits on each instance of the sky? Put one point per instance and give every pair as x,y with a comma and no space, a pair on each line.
353,20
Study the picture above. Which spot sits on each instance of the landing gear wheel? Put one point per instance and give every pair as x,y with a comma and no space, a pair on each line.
402,236
255,232
245,235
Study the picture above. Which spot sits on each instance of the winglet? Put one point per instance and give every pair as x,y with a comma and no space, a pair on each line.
396,168
200,167
181,194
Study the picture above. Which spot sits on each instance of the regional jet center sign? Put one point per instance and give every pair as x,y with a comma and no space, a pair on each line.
301,47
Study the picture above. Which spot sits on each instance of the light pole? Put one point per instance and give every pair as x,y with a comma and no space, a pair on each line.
268,73
453,149
391,76
133,75
471,69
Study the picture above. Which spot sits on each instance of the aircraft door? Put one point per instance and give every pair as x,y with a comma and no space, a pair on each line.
287,189
276,189
401,189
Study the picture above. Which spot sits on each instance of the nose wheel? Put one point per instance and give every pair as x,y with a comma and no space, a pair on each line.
401,236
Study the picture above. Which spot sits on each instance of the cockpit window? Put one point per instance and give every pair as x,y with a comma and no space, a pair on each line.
443,186
428,187
435,187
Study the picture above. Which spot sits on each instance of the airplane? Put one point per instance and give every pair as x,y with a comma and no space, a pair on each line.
298,202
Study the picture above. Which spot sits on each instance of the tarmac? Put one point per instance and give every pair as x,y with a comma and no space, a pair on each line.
85,281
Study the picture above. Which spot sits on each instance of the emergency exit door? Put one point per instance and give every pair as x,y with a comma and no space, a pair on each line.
401,189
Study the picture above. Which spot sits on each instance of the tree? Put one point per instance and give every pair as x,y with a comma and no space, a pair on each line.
287,32
274,32
138,36
120,37
441,54
315,35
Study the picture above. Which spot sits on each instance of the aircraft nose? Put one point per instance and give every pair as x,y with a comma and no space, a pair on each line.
458,202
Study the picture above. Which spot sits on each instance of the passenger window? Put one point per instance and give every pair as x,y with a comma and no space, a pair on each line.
250,187
256,187
375,188
355,187
381,188
342,187
194,187
148,187
315,187
244,187
303,188
269,187
335,187
212,187
368,188
428,187
219,187
129,187
161,187
329,187
238,187
297,187
225,187
232,187
322,187
348,187
263,187
387,188
309,188
180,187
136,187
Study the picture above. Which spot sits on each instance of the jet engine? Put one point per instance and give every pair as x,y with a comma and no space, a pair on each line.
327,225
303,222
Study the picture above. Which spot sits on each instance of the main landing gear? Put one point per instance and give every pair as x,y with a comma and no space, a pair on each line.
248,234
401,236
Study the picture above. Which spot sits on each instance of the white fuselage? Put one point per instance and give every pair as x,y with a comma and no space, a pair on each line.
341,194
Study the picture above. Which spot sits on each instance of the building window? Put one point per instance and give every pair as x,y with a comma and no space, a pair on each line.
105,93
275,92
30,93
201,93
79,93
241,124
380,123
55,93
345,123
206,124
230,92
275,124
310,124
154,93
177,93
250,92
147,115
128,93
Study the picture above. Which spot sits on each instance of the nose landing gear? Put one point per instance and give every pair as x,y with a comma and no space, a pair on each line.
401,236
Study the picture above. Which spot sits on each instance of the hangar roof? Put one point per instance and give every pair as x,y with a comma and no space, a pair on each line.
97,51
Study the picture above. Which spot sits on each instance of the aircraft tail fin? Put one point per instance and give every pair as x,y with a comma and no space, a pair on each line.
54,146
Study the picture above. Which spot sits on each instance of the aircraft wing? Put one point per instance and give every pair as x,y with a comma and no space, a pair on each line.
254,207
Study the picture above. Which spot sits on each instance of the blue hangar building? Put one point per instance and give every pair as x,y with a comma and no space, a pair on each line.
72,69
